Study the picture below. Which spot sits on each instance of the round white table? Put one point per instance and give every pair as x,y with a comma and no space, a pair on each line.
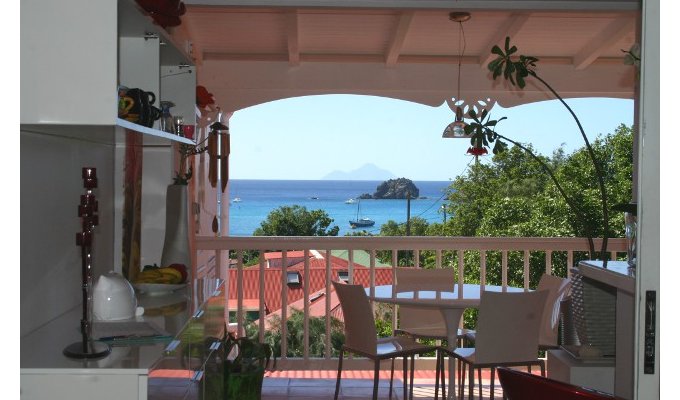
452,305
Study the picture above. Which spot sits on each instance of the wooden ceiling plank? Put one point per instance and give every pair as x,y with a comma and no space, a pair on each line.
510,28
615,31
293,32
398,38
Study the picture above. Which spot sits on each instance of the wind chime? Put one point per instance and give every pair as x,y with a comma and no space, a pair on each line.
218,169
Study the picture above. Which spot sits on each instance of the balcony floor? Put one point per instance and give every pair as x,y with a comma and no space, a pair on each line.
308,385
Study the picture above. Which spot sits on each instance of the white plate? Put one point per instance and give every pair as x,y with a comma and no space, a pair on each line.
155,289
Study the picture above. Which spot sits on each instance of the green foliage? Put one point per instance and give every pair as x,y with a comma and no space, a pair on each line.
292,220
243,354
296,220
487,202
513,71
295,334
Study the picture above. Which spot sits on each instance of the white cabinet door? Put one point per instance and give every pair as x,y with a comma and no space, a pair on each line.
83,386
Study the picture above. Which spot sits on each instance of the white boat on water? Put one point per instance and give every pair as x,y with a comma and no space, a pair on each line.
236,200
349,201
360,222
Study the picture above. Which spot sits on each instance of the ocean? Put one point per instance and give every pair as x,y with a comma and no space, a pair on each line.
259,197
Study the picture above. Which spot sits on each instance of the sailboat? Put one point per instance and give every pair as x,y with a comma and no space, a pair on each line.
360,222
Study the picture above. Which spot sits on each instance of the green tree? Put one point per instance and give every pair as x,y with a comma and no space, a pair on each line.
296,220
292,220
511,196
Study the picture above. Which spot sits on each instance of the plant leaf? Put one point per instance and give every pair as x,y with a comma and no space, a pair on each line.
520,81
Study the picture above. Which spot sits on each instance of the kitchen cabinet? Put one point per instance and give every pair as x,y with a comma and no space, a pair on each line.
74,56
168,369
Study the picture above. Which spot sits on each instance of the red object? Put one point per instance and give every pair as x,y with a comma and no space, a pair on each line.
166,20
182,269
477,151
203,97
164,12
519,385
188,131
173,8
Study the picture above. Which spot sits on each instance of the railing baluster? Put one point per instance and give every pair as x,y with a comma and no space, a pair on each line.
350,266
438,258
570,262
284,305
262,296
305,290
371,272
461,272
395,262
416,258
328,304
504,269
548,262
527,260
239,292
482,270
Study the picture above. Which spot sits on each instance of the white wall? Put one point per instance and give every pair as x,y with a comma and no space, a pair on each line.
51,186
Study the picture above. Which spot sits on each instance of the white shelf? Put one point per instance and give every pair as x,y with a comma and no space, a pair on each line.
163,137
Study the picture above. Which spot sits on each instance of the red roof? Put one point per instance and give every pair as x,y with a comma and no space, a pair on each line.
274,259
317,281
290,254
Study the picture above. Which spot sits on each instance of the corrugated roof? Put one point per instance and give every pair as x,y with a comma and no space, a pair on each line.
317,281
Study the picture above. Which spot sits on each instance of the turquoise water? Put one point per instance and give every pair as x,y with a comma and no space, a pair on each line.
259,197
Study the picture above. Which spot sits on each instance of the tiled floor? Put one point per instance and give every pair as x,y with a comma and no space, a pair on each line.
322,387
313,385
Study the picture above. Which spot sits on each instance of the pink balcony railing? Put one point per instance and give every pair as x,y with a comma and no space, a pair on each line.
449,252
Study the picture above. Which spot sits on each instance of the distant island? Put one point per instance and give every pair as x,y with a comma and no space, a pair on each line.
399,188
367,172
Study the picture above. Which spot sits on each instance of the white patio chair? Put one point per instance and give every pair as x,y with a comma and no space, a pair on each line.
361,338
558,289
421,322
507,335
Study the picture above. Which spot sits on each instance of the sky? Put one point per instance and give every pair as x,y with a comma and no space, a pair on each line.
309,137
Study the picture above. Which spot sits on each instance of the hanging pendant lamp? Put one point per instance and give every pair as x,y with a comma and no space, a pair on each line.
456,129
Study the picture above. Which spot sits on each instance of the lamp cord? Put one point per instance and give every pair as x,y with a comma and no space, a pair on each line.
461,39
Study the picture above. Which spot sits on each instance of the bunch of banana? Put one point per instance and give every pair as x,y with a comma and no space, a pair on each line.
160,275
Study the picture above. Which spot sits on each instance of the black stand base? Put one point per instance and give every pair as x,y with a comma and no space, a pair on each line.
89,349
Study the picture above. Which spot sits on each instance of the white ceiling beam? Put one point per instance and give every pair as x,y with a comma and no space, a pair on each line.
398,38
611,34
467,5
510,28
293,31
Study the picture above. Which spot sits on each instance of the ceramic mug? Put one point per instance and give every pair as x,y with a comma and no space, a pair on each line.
153,115
142,107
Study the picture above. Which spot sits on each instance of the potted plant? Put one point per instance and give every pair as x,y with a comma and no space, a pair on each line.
244,363
515,69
